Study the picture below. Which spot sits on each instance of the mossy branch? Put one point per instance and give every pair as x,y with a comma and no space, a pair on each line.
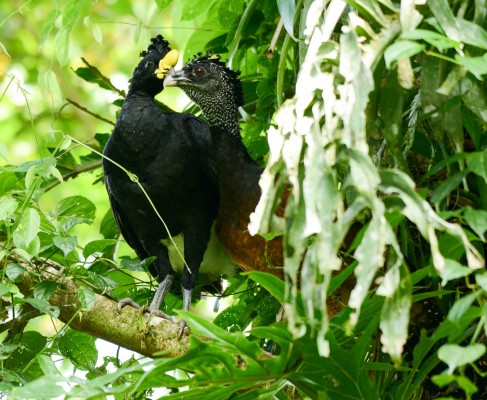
130,329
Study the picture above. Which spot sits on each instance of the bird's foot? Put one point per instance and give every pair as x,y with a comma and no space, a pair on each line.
182,325
127,302
144,309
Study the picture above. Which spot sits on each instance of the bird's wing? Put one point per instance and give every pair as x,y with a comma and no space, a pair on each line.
201,139
124,225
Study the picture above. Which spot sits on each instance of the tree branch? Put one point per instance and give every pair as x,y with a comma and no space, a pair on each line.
130,329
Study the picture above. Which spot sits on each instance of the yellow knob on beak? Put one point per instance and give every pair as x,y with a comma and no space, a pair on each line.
166,63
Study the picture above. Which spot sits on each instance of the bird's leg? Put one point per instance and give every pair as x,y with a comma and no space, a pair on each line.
161,292
187,294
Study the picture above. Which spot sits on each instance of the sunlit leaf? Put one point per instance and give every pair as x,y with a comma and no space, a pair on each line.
14,271
454,270
97,246
8,182
80,349
45,289
455,356
287,10
402,49
46,387
87,298
65,243
44,306
477,162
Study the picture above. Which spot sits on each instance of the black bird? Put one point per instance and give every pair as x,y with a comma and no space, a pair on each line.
169,155
217,90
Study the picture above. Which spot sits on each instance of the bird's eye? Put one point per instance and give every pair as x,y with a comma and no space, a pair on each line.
150,64
199,71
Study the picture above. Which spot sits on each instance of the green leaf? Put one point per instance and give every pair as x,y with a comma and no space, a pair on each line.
25,236
475,65
44,306
8,288
444,15
30,344
447,186
87,298
46,387
62,46
3,152
458,310
30,225
80,349
47,26
454,270
473,33
14,271
477,163
230,11
402,49
287,10
45,289
66,244
455,356
47,365
75,210
8,206
162,4
481,280
97,246
89,75
271,283
194,8
134,264
2,46
477,220
441,42
8,182
235,342
49,85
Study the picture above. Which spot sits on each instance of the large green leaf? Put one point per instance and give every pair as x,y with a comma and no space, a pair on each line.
80,349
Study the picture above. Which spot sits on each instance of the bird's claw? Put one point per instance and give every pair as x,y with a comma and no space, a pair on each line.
182,325
127,302
143,309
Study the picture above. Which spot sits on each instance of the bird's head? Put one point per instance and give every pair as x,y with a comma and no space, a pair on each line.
215,88
156,63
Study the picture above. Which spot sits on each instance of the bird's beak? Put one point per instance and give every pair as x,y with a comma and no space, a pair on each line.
167,63
175,79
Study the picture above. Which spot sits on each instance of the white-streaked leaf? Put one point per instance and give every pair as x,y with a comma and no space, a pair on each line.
394,320
454,270
455,356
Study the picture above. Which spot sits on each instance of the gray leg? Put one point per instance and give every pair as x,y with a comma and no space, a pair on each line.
187,294
161,292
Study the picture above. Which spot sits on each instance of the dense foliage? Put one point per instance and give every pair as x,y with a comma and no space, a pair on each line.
370,113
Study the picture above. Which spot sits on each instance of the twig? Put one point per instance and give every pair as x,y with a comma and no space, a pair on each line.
79,106
74,173
107,81
270,52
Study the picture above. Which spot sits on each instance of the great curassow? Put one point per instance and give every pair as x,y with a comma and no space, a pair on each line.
168,153
218,92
